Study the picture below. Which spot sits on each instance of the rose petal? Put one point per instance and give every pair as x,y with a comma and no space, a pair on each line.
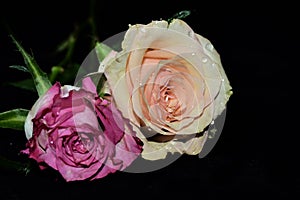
43,102
225,89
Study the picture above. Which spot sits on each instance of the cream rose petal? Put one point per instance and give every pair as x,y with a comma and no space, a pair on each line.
158,35
156,150
225,88
115,71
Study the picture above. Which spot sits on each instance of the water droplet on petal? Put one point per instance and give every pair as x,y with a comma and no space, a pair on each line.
143,30
191,34
193,54
209,47
213,64
204,59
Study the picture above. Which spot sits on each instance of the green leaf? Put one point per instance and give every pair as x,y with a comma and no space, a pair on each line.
40,78
19,67
180,15
13,119
26,84
102,50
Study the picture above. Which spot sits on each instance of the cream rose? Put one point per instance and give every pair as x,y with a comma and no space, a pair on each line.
170,83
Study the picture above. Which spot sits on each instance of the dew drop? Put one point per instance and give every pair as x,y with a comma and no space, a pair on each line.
215,65
209,47
143,30
191,34
193,54
204,59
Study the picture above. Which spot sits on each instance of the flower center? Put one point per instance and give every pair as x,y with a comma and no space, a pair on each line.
169,102
82,144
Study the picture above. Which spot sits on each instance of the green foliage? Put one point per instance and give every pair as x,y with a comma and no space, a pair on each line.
13,119
19,67
40,78
26,84
102,50
180,15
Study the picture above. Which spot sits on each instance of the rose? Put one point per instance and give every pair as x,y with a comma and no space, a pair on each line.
170,81
64,133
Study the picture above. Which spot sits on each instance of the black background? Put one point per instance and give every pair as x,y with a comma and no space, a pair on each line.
256,154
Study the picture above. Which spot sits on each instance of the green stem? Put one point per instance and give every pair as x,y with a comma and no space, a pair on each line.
70,48
92,23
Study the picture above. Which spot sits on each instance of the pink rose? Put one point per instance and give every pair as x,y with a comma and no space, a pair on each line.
168,81
77,133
